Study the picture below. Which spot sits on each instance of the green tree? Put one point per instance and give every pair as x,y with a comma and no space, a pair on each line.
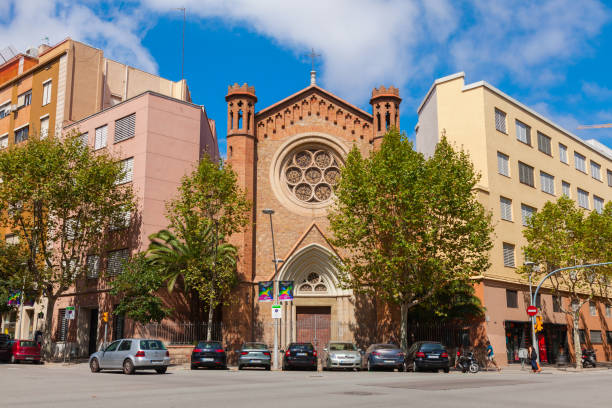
209,208
562,235
13,259
137,286
412,226
59,197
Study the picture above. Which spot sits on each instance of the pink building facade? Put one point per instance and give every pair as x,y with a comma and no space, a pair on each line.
159,140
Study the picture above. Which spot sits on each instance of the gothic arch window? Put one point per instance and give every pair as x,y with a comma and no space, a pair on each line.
231,120
311,173
313,284
240,119
387,120
378,120
249,121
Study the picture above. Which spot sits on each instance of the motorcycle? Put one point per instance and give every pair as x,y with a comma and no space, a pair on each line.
467,362
589,358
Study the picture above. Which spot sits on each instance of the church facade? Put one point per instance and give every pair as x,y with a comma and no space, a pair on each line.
287,157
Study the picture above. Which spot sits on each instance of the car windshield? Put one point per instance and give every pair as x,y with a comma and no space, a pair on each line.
301,347
431,347
341,347
27,344
152,345
385,347
209,345
255,346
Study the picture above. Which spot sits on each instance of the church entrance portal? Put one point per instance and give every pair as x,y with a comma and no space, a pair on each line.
313,325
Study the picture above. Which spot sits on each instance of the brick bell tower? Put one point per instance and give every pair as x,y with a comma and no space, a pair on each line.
241,145
385,110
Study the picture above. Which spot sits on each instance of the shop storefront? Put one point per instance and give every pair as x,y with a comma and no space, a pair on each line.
552,341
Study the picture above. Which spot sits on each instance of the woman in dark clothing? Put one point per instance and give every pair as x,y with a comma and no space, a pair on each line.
533,356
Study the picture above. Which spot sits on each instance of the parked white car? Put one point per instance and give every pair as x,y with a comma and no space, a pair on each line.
130,355
340,354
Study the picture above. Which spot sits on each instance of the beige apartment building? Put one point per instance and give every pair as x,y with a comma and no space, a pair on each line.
525,160
47,88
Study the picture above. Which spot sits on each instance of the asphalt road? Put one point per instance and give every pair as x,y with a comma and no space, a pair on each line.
75,386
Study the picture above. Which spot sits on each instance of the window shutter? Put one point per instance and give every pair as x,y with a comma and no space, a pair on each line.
583,199
502,164
563,153
526,213
500,121
566,188
508,255
506,208
128,168
101,134
598,204
124,128
93,266
62,325
580,162
548,183
116,260
44,128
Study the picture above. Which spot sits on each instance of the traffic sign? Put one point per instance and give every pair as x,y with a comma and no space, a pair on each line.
532,310
276,311
69,312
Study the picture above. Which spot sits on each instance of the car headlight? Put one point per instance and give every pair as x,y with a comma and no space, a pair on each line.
333,355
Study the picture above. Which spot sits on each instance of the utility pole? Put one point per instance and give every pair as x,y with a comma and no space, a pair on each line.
269,211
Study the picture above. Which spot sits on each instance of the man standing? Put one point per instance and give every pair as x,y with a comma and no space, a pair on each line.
491,357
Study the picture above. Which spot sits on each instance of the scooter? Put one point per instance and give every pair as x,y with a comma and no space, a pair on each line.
467,362
589,358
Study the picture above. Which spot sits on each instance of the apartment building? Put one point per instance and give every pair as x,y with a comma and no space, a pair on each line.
49,87
525,160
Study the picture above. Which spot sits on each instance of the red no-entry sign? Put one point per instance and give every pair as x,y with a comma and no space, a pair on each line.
532,310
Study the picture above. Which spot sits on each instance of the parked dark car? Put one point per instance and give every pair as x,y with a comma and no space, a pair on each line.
254,355
384,356
208,354
427,355
5,347
24,350
300,355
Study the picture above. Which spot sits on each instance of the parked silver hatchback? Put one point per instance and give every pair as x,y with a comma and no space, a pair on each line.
340,354
131,355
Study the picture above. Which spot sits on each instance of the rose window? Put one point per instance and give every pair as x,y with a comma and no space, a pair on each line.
311,175
313,283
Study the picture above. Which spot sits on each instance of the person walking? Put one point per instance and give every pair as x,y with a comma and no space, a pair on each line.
533,357
491,357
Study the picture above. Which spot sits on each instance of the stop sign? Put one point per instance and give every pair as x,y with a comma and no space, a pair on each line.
532,310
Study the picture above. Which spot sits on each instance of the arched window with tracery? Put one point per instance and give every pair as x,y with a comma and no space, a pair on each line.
313,284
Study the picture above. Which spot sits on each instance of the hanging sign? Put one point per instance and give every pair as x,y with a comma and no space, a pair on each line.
285,291
14,298
69,312
277,311
266,291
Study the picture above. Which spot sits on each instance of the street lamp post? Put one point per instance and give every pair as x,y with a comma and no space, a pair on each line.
532,299
269,212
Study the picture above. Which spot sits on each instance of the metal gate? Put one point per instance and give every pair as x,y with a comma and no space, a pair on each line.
313,325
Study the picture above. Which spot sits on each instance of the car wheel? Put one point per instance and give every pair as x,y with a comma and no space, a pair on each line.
14,360
415,368
268,368
447,370
161,370
94,366
128,367
401,368
194,367
240,366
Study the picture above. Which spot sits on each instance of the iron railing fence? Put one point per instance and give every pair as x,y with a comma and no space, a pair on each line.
181,333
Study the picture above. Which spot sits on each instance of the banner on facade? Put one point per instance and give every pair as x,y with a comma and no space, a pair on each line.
266,291
14,298
285,291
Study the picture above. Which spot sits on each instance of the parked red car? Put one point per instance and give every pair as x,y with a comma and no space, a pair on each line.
24,350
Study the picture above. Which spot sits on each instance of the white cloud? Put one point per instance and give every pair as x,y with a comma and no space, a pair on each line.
118,32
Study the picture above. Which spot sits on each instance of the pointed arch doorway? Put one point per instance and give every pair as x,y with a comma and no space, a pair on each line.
321,310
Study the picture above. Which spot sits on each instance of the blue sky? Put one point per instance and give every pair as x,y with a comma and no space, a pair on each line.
553,55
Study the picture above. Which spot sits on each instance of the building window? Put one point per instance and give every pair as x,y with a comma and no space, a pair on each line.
4,141
44,127
101,134
596,336
608,311
556,304
511,298
523,133
609,178
5,110
62,325
71,229
503,167
583,199
11,239
506,208
116,260
526,174
508,255
121,221
593,308
127,167
548,183
526,213
565,188
500,121
25,99
118,325
46,93
125,127
598,204
544,144
21,135
563,153
84,139
582,336
580,162
595,171
93,266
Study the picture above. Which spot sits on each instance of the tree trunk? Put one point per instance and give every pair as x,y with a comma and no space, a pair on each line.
210,321
577,349
404,326
47,346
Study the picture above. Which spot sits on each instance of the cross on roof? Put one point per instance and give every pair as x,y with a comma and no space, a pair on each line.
312,56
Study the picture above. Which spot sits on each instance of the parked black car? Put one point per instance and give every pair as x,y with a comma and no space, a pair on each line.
302,355
5,347
427,355
387,356
208,354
